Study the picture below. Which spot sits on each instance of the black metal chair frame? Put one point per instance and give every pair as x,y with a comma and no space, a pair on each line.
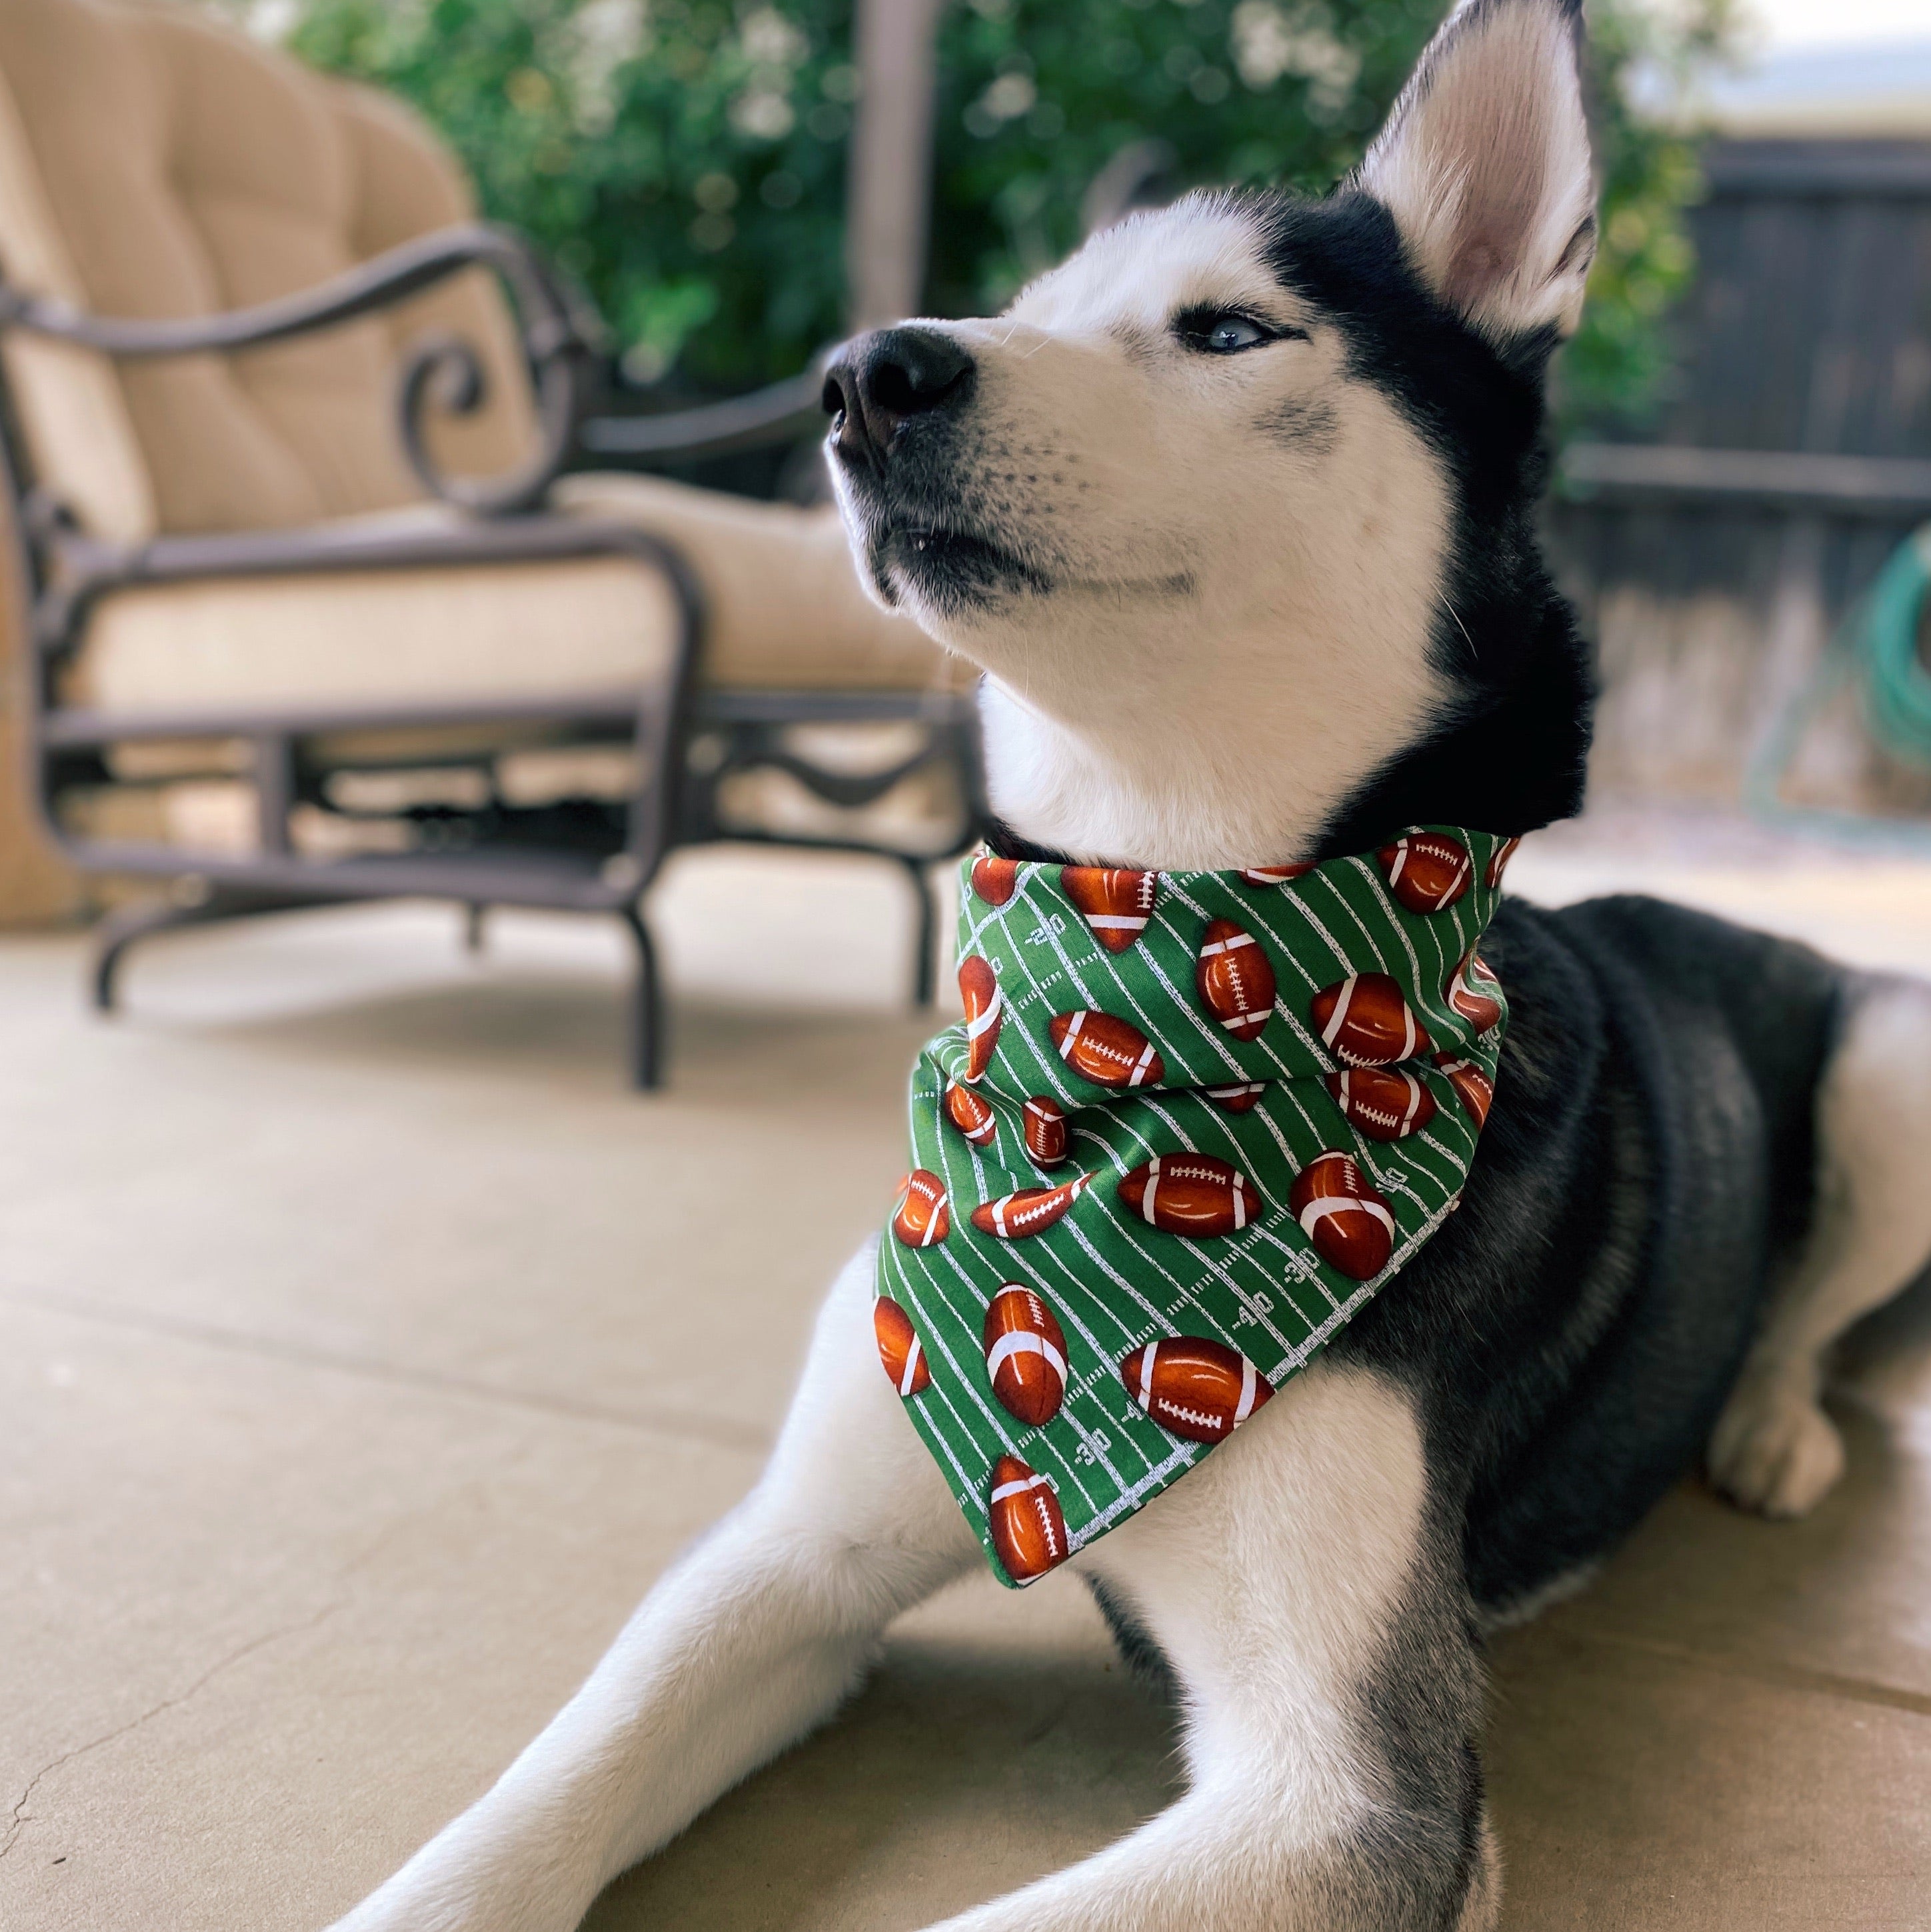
689,740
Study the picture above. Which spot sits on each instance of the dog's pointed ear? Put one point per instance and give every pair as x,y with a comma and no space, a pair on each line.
1485,165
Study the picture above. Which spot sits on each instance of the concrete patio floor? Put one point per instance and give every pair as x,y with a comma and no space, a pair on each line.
367,1351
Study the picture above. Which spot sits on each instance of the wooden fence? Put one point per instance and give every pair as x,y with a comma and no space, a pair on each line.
1793,456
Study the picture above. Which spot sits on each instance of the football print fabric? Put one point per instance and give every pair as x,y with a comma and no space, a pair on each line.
1192,1122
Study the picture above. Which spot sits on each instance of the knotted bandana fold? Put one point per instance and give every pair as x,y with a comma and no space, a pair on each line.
1190,1123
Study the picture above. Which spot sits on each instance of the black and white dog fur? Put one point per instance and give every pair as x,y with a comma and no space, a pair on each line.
1234,510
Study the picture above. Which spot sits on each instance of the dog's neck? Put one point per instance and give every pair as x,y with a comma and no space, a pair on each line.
1132,775
1226,731
1159,788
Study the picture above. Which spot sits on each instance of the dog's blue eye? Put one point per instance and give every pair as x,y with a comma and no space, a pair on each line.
1222,332
1234,331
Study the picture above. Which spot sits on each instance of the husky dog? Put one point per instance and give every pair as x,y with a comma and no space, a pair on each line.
1234,510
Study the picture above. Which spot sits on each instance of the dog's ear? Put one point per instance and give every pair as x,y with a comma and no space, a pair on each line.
1485,166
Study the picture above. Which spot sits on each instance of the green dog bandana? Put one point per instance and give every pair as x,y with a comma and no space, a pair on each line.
1190,1123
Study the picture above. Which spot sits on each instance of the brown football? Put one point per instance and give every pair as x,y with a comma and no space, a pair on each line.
1234,978
1029,1211
1191,1194
1386,1103
984,1013
1427,871
1025,1355
898,1347
1240,1098
972,1115
1029,1528
1473,1087
1472,990
1116,904
1365,1022
1194,1386
922,1216
1109,1051
1504,852
1339,1211
1273,875
1045,1129
994,880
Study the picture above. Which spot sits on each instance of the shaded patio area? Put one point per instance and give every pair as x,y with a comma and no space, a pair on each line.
316,1515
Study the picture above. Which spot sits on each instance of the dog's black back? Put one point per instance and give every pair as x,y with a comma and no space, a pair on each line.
1647,1166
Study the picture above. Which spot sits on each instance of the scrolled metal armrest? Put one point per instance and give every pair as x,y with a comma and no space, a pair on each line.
560,336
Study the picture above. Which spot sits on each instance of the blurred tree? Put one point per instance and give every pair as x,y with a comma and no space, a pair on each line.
1646,57
685,158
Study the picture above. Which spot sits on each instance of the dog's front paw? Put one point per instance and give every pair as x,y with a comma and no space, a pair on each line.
1774,1450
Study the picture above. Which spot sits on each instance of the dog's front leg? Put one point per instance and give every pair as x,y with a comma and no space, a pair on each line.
1310,1602
752,1639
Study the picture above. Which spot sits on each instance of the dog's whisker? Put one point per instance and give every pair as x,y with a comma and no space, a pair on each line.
1441,597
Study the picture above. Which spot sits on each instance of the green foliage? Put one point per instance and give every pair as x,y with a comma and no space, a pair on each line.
691,175
1618,366
687,161
1036,95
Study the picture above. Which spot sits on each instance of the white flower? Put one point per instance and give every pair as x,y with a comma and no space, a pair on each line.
1267,42
1009,97
602,36
763,113
771,41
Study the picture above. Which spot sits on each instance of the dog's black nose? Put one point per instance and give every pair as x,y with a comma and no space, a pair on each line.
877,382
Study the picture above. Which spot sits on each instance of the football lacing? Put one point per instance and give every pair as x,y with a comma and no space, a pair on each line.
1046,1528
1199,1418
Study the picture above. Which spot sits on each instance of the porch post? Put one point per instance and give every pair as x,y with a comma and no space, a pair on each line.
888,199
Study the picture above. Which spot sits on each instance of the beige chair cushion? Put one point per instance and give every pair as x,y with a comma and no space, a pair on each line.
374,638
154,164
784,606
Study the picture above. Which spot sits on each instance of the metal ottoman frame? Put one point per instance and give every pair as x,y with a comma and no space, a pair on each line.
689,740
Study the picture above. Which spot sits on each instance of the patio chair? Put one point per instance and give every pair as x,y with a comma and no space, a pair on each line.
312,617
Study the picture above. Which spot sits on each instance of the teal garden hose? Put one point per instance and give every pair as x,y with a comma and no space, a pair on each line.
1876,647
